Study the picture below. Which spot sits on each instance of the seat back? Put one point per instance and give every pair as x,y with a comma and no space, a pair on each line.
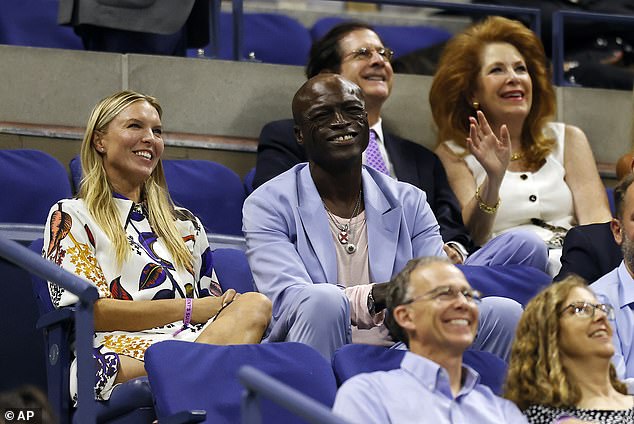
130,403
232,269
75,173
33,23
30,182
403,39
271,37
22,353
189,376
211,191
248,181
518,282
350,360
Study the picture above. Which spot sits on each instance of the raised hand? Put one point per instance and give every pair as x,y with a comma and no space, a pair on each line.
493,153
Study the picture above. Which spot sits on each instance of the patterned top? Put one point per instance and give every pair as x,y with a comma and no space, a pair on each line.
74,241
541,414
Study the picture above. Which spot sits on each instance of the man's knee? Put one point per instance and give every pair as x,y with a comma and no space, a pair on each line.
322,302
500,310
526,248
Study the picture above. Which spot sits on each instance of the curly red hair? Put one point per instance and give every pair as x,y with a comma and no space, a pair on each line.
456,78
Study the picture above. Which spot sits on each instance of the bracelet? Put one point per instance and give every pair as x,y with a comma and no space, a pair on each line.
483,206
189,305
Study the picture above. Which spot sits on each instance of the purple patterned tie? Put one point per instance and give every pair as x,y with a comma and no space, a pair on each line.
373,157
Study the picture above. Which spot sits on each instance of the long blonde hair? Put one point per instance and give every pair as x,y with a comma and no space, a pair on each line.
456,79
96,191
536,375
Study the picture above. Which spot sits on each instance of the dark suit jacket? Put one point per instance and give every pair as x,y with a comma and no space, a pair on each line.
590,252
278,151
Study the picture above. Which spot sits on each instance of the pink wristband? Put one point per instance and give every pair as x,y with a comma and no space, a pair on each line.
189,303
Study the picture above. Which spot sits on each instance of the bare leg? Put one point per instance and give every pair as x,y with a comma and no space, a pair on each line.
129,368
243,321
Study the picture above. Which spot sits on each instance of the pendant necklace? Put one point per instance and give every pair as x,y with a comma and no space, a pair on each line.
345,235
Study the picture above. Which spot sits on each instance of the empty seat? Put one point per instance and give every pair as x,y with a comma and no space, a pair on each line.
271,37
353,359
211,191
34,23
30,183
192,376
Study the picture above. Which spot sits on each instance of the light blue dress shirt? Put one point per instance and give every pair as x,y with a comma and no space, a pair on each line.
617,288
419,392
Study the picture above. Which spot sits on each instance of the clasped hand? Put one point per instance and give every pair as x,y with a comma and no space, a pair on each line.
205,308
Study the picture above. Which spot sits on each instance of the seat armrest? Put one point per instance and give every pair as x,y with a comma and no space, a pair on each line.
186,417
57,316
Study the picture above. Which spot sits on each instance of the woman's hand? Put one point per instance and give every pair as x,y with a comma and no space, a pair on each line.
493,154
206,307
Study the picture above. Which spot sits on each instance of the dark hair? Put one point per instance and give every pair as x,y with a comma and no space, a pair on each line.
619,194
398,293
325,54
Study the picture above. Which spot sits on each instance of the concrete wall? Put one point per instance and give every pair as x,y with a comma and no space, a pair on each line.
200,96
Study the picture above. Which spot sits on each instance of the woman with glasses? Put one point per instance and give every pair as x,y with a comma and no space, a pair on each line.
509,165
560,365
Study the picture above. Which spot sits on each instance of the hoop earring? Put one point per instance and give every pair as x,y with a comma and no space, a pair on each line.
476,105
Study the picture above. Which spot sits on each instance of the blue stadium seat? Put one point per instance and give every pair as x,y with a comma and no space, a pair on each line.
353,359
232,269
31,182
75,173
609,191
211,191
517,282
205,377
33,23
130,403
400,38
248,181
271,37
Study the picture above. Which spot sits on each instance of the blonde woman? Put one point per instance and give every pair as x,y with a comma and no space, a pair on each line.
560,367
149,260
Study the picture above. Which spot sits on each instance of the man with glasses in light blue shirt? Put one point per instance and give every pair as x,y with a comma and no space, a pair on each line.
617,286
435,312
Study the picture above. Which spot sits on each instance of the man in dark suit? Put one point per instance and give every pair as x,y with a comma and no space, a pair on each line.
354,50
591,251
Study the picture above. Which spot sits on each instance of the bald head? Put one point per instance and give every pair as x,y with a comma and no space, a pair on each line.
318,86
331,122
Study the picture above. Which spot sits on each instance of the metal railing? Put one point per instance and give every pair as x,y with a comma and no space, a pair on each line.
532,14
84,325
259,384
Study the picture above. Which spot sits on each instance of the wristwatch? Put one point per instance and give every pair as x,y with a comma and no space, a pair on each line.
371,304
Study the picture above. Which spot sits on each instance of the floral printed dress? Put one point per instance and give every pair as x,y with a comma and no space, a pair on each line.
74,241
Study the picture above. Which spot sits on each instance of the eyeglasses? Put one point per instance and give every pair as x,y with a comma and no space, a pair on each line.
365,53
586,310
448,294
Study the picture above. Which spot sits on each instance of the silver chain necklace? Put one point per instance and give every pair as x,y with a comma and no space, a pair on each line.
345,235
